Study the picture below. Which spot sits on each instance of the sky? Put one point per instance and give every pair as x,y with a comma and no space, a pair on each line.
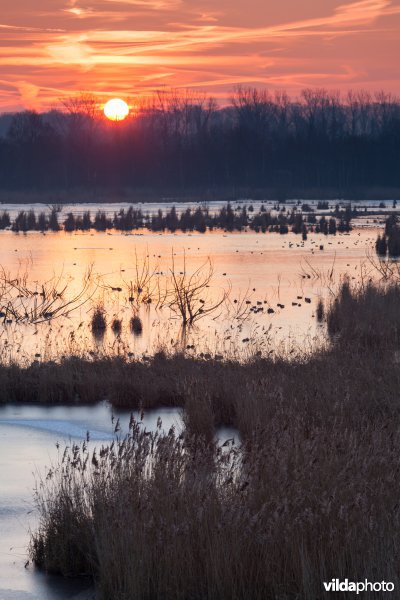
52,49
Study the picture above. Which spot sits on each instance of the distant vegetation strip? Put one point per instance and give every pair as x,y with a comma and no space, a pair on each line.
300,219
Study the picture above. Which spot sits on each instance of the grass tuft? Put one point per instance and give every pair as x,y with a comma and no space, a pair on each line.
99,321
136,325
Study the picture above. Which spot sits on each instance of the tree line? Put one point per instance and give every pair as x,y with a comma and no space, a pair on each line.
185,141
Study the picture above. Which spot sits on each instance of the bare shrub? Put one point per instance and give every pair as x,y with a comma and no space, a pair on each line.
189,297
144,287
31,302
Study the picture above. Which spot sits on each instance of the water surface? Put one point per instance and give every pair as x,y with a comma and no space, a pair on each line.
266,270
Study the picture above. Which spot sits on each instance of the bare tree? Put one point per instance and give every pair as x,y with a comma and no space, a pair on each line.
189,295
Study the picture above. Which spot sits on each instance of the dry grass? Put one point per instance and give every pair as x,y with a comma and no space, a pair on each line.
116,326
310,495
302,501
366,314
136,325
99,320
320,311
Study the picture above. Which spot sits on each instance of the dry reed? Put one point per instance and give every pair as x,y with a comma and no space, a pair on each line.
311,494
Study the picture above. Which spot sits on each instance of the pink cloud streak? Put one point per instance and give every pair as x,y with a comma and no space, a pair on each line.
129,46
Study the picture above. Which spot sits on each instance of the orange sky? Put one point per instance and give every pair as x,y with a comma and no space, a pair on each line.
52,48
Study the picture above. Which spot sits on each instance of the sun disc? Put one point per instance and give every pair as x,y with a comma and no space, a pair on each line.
116,109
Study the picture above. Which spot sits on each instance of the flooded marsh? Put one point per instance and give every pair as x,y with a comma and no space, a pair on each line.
214,332
262,290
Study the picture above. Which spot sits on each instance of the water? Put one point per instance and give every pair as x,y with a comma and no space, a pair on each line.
266,269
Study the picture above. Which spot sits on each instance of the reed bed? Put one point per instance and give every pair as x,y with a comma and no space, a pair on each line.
366,314
310,494
361,318
362,324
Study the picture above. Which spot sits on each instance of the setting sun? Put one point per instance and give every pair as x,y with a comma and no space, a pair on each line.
116,109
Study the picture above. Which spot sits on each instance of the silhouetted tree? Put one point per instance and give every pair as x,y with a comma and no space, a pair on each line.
182,139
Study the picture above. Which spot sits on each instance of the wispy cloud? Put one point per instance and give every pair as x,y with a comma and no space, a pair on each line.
196,44
152,4
18,28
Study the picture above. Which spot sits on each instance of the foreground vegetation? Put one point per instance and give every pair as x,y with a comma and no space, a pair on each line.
311,493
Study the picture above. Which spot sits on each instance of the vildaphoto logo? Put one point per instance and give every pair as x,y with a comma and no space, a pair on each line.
336,585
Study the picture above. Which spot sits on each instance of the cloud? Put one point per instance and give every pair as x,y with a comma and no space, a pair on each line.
115,46
17,28
28,93
151,4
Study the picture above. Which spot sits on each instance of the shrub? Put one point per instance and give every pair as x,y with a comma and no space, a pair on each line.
99,321
136,325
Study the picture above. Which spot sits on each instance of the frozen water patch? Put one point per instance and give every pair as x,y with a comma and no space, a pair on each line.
17,595
66,429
